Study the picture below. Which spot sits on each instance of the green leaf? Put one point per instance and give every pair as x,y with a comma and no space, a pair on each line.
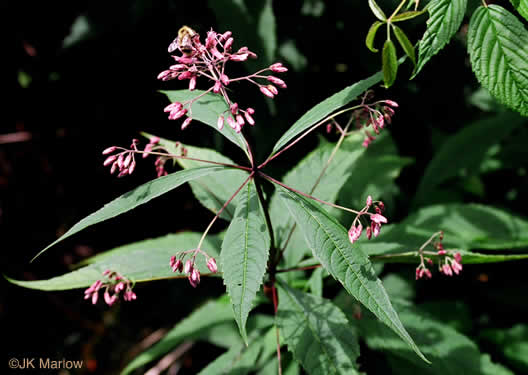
134,198
317,333
390,63
407,15
207,109
369,42
378,12
326,107
244,256
521,6
315,283
405,43
451,353
329,243
213,190
513,343
140,261
304,177
475,140
190,328
445,19
254,25
498,48
465,226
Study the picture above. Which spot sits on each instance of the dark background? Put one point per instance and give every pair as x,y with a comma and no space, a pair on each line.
73,101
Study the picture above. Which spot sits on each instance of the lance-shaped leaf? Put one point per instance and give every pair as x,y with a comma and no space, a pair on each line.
326,107
244,255
207,109
369,41
378,12
444,21
134,198
389,62
407,15
193,327
317,333
405,43
140,261
213,190
329,243
498,47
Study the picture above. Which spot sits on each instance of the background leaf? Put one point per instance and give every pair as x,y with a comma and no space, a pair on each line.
498,47
475,139
244,255
521,6
451,353
445,18
140,195
371,35
317,333
513,343
349,265
405,43
140,261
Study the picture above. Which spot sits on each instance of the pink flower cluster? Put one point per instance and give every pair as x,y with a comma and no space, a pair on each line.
193,275
209,60
123,161
375,116
448,263
376,220
113,287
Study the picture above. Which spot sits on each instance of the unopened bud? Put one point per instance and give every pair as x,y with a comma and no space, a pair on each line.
211,264
109,150
220,122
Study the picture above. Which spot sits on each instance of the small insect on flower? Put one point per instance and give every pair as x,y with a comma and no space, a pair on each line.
184,41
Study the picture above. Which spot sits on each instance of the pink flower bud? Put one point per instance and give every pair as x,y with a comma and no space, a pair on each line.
234,108
186,123
376,228
176,106
177,114
241,57
220,122
231,122
132,167
163,74
109,150
457,257
278,68
228,44
127,161
249,119
194,277
95,297
251,111
428,273
457,267
226,36
178,67
119,287
154,140
211,264
273,89
328,128
184,59
185,75
378,219
369,233
369,201
381,206
189,266
442,252
240,120
109,160
192,83
266,91
210,41
277,81
113,168
217,86
392,103
224,79
354,233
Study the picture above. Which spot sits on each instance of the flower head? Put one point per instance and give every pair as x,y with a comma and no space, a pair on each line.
208,61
